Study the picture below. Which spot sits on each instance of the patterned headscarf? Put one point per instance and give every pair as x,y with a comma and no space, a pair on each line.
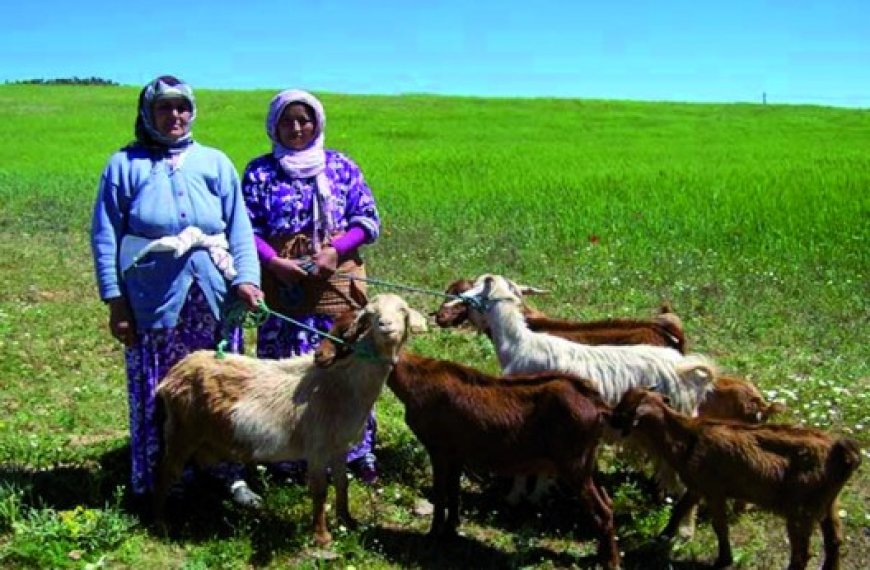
165,86
308,162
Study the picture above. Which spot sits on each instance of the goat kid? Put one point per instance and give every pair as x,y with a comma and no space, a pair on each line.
793,471
244,409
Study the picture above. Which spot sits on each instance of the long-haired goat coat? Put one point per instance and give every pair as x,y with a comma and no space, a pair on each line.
612,369
666,329
245,409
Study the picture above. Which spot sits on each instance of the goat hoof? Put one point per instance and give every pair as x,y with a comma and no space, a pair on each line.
723,564
322,538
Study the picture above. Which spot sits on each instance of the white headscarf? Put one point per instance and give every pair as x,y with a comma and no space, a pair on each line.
308,162
165,86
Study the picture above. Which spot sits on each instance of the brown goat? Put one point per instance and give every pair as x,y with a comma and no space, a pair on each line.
664,330
539,423
734,399
793,471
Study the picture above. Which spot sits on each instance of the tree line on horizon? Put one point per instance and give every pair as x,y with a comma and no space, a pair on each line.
64,81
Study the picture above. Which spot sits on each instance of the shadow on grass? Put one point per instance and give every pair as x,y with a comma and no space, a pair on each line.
104,482
93,483
203,513
411,549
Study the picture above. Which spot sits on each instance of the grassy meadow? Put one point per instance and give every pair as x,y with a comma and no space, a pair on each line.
752,221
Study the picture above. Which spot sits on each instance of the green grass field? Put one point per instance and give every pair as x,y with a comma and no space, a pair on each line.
752,221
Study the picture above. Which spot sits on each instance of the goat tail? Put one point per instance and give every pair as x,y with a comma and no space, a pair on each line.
672,326
845,457
698,370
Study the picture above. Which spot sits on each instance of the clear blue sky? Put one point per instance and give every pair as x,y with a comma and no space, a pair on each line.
797,51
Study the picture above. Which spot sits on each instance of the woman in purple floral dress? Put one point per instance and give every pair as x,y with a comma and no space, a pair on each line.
311,210
173,247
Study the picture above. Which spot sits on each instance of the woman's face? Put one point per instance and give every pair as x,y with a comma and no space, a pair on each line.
172,117
296,127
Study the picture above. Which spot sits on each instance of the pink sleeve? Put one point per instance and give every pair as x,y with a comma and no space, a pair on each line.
264,251
352,239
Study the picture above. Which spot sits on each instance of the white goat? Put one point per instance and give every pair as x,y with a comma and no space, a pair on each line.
244,409
611,369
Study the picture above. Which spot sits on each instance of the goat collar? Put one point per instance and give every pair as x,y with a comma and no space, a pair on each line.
484,304
365,350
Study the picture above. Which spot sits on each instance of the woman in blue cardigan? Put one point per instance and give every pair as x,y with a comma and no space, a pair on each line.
173,248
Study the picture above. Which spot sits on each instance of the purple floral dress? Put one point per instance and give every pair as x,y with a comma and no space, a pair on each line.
281,206
148,361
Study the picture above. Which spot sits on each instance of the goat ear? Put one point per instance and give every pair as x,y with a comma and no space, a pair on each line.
643,410
325,354
344,327
771,410
416,321
356,327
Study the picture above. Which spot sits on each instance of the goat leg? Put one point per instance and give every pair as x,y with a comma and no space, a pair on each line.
799,532
169,470
454,475
832,532
317,487
719,518
608,552
687,504
593,497
339,478
439,495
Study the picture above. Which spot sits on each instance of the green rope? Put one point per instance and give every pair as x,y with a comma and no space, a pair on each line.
239,316
269,312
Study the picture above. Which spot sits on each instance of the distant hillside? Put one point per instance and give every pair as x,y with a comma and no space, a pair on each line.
64,81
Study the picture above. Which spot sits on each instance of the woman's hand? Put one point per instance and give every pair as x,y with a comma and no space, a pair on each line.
288,271
250,294
326,261
121,324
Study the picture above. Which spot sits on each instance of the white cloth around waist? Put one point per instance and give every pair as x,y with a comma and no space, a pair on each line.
134,248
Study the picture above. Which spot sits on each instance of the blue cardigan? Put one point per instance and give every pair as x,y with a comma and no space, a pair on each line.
144,195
